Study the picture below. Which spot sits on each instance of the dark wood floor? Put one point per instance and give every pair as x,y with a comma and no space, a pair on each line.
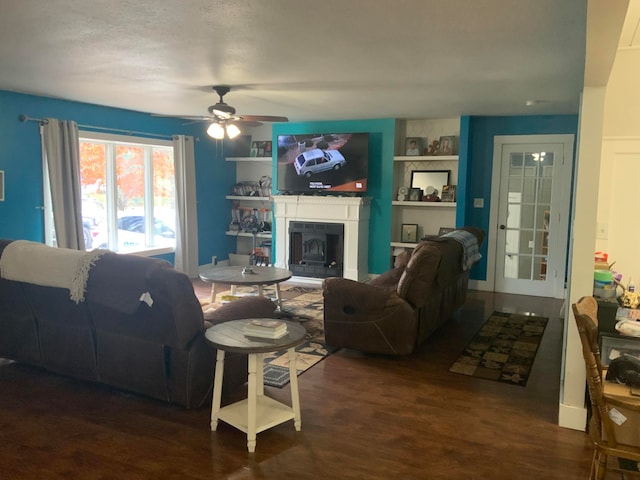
363,417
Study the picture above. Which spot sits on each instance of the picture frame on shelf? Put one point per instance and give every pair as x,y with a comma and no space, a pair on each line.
448,193
448,145
262,148
413,146
409,233
444,230
241,146
259,147
268,150
415,194
423,179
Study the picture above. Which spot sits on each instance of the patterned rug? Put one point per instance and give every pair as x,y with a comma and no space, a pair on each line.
300,304
504,349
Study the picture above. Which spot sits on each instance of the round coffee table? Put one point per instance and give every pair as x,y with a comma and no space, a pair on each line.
257,412
259,276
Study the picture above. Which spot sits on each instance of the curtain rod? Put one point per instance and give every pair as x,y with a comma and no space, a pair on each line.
25,118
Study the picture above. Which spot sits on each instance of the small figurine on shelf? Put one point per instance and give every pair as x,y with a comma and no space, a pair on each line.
430,195
434,148
629,298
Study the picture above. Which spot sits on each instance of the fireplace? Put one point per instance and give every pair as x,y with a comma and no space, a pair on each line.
315,249
350,214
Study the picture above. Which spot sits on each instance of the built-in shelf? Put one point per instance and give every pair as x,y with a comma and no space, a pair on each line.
407,203
247,197
424,158
251,171
233,233
428,217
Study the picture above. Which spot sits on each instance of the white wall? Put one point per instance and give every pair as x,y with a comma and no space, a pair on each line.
572,411
605,21
618,227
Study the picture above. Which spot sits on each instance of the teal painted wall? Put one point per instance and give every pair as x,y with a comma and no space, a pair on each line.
21,159
380,181
479,166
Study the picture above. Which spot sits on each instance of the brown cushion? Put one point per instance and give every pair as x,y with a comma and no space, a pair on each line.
245,307
390,278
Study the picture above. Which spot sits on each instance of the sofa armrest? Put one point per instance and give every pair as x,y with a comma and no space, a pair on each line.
355,299
368,318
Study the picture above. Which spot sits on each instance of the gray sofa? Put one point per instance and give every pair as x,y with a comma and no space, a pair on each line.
154,346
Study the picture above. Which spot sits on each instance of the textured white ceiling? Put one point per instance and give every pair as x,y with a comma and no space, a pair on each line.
308,60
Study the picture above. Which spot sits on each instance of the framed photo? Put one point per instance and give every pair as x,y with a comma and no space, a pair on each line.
267,148
448,193
241,146
424,179
415,194
413,146
448,145
409,233
444,230
259,148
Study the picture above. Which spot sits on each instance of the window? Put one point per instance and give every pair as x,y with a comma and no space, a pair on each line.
128,193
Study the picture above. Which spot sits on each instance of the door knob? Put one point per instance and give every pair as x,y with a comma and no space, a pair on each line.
502,227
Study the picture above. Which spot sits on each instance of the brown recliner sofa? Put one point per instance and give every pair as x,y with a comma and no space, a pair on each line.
396,312
139,327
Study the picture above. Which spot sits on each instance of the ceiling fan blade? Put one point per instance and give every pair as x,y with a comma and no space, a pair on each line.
246,123
263,118
195,118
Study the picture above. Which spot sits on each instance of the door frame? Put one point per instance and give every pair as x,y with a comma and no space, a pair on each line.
561,242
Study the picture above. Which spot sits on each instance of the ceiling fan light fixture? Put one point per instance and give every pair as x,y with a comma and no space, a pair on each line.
232,131
216,131
222,111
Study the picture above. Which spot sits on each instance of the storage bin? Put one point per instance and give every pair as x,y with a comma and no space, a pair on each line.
612,347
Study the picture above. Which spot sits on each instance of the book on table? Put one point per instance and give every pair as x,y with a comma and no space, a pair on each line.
265,328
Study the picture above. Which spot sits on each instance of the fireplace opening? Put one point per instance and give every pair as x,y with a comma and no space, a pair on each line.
316,249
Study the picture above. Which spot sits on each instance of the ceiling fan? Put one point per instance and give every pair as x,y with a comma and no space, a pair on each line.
224,120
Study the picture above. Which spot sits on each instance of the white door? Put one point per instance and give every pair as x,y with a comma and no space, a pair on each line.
532,214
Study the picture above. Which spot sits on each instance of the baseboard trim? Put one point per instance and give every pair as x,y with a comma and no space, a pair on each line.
480,285
570,416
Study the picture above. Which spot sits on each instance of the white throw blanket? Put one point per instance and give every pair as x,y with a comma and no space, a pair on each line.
40,264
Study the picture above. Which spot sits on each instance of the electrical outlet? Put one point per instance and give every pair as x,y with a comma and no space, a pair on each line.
478,203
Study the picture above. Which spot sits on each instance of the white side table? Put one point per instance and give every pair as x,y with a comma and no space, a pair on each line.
257,412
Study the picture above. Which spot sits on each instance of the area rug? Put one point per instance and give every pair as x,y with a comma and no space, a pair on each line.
276,364
504,349
299,304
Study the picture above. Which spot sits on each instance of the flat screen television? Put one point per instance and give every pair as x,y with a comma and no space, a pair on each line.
332,163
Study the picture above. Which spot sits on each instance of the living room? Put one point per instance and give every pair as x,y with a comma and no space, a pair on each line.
21,160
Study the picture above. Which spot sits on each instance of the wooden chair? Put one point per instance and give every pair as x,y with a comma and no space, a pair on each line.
601,428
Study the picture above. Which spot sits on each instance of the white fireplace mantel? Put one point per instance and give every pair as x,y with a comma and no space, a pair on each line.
352,212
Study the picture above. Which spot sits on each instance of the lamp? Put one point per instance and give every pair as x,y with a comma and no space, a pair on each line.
217,131
233,131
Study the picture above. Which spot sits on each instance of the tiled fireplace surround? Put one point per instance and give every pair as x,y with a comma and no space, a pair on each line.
352,212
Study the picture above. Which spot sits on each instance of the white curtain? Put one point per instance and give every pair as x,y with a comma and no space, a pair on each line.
186,213
61,149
